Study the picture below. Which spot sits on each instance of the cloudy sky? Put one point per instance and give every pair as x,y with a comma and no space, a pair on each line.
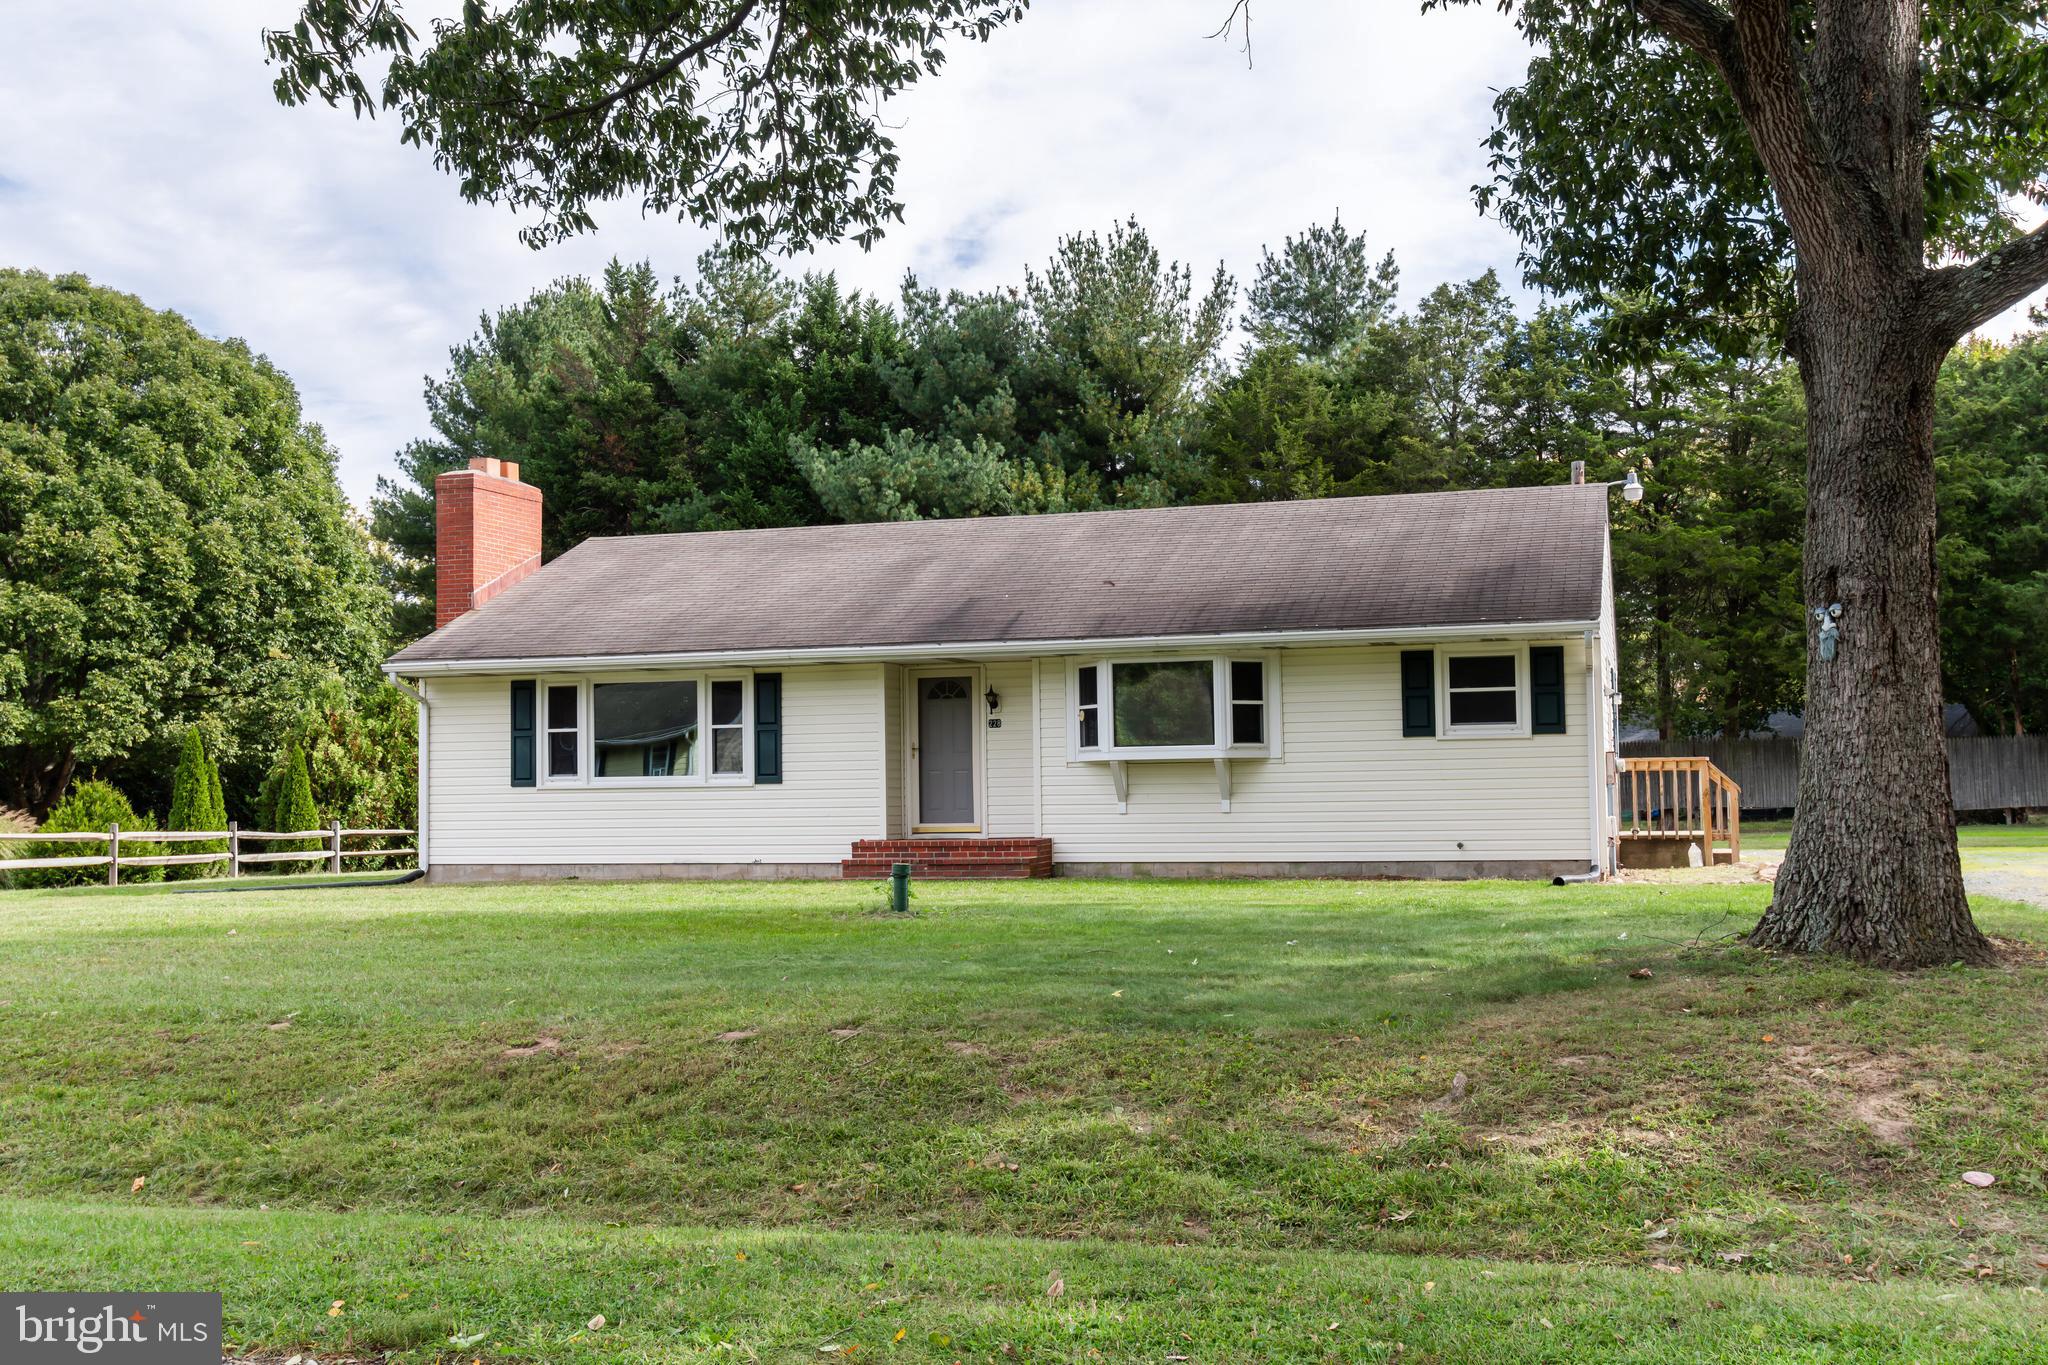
142,147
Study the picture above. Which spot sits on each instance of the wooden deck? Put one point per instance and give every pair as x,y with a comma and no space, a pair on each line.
1670,802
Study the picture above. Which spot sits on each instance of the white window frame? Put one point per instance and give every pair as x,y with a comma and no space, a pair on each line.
1109,751
1519,652
586,724
1099,706
547,733
1227,736
710,729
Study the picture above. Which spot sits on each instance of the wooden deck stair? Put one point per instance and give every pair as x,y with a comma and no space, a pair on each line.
1670,803
966,858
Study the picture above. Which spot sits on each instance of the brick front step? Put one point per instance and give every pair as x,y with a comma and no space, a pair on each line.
951,857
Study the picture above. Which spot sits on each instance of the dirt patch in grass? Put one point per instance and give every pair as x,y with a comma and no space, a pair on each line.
1747,872
1872,1086
543,1044
2014,953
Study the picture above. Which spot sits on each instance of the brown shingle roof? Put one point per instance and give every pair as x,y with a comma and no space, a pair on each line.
1487,556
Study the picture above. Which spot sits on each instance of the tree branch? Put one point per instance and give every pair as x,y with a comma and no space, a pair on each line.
659,72
1699,24
1968,296
1781,121
1751,47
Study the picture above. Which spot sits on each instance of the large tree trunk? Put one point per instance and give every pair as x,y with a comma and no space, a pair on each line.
1872,870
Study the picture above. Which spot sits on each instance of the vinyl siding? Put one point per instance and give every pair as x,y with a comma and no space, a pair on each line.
894,750
1348,787
1009,753
830,795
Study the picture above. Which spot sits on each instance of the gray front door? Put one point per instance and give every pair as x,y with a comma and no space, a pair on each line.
945,751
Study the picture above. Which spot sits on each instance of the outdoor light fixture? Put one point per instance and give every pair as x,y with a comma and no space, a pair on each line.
1632,488
994,701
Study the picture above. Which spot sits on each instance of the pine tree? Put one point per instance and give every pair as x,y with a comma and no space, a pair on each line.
196,803
295,809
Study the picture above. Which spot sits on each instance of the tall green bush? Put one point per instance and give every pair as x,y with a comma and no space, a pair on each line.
90,808
196,804
295,809
362,754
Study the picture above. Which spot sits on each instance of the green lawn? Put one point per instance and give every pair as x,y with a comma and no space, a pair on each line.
1771,835
503,1110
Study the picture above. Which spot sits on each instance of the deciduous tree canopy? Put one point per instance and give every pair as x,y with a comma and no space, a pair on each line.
174,550
763,116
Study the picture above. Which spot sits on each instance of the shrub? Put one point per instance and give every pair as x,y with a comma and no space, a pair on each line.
362,755
294,809
196,804
91,807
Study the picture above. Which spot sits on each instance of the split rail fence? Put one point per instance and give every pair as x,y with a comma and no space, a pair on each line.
332,849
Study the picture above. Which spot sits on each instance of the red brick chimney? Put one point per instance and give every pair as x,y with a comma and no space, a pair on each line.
486,535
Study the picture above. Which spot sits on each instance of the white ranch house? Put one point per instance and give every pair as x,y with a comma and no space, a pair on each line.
1398,686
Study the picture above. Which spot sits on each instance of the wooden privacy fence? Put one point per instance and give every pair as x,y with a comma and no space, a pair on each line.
1986,772
1686,798
332,849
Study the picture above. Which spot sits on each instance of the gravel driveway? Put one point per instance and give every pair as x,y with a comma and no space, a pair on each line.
2011,874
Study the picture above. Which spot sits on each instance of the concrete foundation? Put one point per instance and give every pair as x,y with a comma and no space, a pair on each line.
629,872
1509,870
1448,870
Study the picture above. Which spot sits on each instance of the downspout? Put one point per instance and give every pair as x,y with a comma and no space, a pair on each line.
426,712
1596,843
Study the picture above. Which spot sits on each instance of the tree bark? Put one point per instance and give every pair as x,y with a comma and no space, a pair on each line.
36,785
1872,871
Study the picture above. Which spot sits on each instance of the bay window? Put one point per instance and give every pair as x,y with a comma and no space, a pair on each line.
1205,707
1088,693
1162,705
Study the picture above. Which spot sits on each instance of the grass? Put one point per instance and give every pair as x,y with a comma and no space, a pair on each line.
1765,836
1210,1098
530,1288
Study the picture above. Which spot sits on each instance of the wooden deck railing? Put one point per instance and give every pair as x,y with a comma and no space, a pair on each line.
1688,798
331,851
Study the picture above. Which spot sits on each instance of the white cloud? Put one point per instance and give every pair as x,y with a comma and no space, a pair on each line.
144,149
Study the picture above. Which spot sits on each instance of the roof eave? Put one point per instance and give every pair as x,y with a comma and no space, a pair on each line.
995,649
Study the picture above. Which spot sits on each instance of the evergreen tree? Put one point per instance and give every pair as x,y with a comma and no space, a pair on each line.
1993,549
294,810
362,755
1320,292
196,804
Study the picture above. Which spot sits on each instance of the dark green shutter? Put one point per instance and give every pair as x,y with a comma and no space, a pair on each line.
522,733
767,727
1546,689
1418,693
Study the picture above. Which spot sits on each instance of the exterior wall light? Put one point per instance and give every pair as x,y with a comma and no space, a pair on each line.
993,698
1632,488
